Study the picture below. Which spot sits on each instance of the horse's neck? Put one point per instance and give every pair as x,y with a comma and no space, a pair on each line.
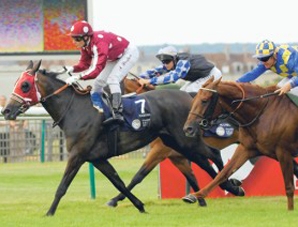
245,111
70,108
133,86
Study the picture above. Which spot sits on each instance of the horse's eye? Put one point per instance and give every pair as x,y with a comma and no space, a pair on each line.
204,102
26,86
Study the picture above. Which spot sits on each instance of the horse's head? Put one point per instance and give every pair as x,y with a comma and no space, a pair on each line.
217,101
27,92
132,85
202,109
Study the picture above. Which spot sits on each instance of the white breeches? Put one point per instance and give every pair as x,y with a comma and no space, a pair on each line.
196,85
293,91
115,71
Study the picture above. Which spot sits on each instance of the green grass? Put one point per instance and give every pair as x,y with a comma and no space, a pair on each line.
27,190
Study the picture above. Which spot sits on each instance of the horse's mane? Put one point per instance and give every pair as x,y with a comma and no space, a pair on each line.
51,74
252,87
54,76
259,88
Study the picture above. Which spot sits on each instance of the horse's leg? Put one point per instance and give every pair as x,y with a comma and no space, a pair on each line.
295,168
286,164
73,166
184,166
238,159
108,170
216,144
157,153
232,185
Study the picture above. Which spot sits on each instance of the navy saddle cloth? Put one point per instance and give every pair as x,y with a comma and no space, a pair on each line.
136,113
221,130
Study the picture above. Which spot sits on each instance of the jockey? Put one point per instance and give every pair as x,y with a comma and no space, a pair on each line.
105,57
195,69
280,59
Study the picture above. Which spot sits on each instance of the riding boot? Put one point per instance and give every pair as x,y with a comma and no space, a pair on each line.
97,102
117,107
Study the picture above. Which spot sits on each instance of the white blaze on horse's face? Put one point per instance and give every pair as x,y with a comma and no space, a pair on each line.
26,90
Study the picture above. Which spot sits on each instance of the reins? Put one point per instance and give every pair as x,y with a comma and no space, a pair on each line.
255,97
81,92
261,110
226,114
248,99
55,123
43,99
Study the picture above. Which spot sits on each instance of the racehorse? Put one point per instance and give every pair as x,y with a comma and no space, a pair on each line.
268,126
87,138
159,152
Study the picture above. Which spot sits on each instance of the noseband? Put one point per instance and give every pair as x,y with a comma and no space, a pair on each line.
206,121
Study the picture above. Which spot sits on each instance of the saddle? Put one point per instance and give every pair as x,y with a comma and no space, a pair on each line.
220,130
293,98
136,112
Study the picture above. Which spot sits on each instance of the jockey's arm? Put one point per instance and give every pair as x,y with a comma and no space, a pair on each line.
179,72
252,75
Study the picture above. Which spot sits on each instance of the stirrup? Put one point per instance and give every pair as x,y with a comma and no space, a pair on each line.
112,120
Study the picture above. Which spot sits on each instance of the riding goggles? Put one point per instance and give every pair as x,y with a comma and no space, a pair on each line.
264,59
77,38
165,62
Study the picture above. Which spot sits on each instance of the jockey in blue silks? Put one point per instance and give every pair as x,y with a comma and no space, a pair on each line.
280,59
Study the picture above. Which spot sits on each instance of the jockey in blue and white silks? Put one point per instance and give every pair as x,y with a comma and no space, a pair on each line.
195,69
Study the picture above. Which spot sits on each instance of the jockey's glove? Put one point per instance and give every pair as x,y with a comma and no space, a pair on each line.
72,79
69,69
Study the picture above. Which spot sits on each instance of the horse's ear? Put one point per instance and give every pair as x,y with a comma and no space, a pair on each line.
208,81
30,66
36,66
218,80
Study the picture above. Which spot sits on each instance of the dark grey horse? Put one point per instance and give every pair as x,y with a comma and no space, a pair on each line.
87,138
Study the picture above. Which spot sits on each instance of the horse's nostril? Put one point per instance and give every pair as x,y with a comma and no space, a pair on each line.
5,111
188,129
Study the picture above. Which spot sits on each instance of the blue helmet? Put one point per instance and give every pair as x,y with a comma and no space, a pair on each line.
264,49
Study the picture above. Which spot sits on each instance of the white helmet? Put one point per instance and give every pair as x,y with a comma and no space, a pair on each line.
167,53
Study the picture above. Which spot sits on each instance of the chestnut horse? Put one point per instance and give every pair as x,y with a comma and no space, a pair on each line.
88,139
268,126
159,152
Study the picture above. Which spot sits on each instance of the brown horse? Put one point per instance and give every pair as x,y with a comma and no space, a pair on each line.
159,152
268,126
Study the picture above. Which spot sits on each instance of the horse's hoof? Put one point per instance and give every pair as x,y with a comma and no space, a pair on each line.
241,192
142,210
189,198
202,202
235,182
112,203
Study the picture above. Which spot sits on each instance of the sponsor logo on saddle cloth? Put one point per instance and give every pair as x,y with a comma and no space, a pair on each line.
136,113
223,130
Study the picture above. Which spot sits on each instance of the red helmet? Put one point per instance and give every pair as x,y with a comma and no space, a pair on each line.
81,28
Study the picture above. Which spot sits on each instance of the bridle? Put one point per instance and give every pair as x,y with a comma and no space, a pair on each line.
207,121
26,103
